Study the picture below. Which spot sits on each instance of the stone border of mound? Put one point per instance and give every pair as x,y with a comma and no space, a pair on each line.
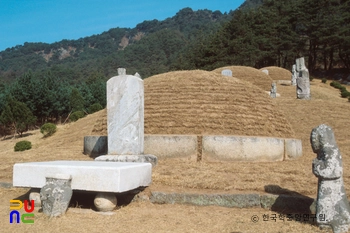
252,149
212,147
275,202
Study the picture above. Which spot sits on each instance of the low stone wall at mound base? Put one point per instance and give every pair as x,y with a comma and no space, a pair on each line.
209,147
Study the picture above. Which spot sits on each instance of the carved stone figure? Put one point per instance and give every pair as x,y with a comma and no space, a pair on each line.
273,91
332,206
303,81
294,75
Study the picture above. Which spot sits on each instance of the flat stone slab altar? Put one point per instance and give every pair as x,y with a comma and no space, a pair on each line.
86,175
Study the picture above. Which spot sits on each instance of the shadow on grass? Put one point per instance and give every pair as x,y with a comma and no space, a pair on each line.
23,197
299,207
9,137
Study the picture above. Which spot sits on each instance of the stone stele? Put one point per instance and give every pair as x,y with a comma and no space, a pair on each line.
303,81
125,114
332,205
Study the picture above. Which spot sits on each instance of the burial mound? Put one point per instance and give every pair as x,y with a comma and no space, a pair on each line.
201,102
249,74
278,73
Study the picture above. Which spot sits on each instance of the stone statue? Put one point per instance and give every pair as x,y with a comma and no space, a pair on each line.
332,206
273,92
303,81
294,75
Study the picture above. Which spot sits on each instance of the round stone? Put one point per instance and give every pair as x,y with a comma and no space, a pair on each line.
36,197
105,201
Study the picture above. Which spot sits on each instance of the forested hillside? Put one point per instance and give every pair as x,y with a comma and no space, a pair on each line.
277,32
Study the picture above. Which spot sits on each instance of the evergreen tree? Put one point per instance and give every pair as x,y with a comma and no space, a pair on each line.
97,86
55,96
17,116
76,101
344,33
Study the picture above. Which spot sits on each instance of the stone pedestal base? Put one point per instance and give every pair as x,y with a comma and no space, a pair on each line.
303,97
129,158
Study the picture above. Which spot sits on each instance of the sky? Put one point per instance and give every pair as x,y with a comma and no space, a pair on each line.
51,21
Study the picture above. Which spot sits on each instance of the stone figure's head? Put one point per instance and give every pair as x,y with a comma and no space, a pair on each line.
320,137
300,64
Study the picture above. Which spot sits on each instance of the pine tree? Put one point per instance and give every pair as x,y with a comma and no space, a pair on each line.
76,100
17,115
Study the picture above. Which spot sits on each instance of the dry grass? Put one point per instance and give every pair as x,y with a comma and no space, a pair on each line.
278,73
177,175
201,102
146,217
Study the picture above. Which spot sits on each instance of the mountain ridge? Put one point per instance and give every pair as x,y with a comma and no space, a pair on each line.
182,28
104,53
